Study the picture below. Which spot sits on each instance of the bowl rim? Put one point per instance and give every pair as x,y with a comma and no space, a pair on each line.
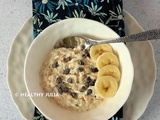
49,29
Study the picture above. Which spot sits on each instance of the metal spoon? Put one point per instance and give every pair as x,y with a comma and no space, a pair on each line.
143,36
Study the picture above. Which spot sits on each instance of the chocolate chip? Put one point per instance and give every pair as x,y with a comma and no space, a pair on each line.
65,89
80,69
59,80
77,104
69,80
73,94
60,90
94,70
87,84
92,83
83,89
88,79
67,59
55,65
84,55
58,86
80,62
86,52
89,92
66,71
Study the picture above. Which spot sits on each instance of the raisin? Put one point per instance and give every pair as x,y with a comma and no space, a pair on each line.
66,71
89,92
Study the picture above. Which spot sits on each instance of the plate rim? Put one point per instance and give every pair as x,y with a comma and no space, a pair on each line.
10,51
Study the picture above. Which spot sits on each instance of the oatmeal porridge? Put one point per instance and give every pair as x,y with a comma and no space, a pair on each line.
72,74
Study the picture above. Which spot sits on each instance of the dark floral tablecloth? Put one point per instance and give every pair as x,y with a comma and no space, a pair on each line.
108,12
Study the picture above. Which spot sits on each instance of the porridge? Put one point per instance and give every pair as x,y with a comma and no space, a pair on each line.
72,73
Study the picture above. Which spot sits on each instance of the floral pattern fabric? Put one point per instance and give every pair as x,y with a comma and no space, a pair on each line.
108,12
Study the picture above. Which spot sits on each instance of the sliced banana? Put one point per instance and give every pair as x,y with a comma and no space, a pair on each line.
110,70
107,58
106,86
97,50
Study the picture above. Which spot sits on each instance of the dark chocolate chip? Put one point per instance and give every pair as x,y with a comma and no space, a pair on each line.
60,90
80,62
80,69
84,55
87,84
92,83
69,80
88,79
83,89
66,71
89,92
59,80
94,70
86,52
55,65
73,94
77,104
67,59
58,86
65,89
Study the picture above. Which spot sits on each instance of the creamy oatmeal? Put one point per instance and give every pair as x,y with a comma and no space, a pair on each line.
72,74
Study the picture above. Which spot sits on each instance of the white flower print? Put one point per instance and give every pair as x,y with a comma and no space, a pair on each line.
44,1
80,15
118,16
63,3
50,17
95,10
35,17
114,118
105,22
103,1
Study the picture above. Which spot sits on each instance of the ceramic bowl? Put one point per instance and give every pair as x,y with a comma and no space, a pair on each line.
41,46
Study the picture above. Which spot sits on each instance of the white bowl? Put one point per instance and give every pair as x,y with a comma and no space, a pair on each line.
44,43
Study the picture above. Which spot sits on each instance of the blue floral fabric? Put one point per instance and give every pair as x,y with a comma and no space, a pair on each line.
108,12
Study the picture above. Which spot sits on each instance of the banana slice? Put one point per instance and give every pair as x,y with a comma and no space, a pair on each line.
106,86
110,70
107,58
97,50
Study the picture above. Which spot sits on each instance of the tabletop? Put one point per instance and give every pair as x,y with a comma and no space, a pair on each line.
13,13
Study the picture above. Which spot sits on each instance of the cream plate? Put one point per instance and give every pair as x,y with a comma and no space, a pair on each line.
143,83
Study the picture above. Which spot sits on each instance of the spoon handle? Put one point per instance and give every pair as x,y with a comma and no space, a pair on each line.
143,36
